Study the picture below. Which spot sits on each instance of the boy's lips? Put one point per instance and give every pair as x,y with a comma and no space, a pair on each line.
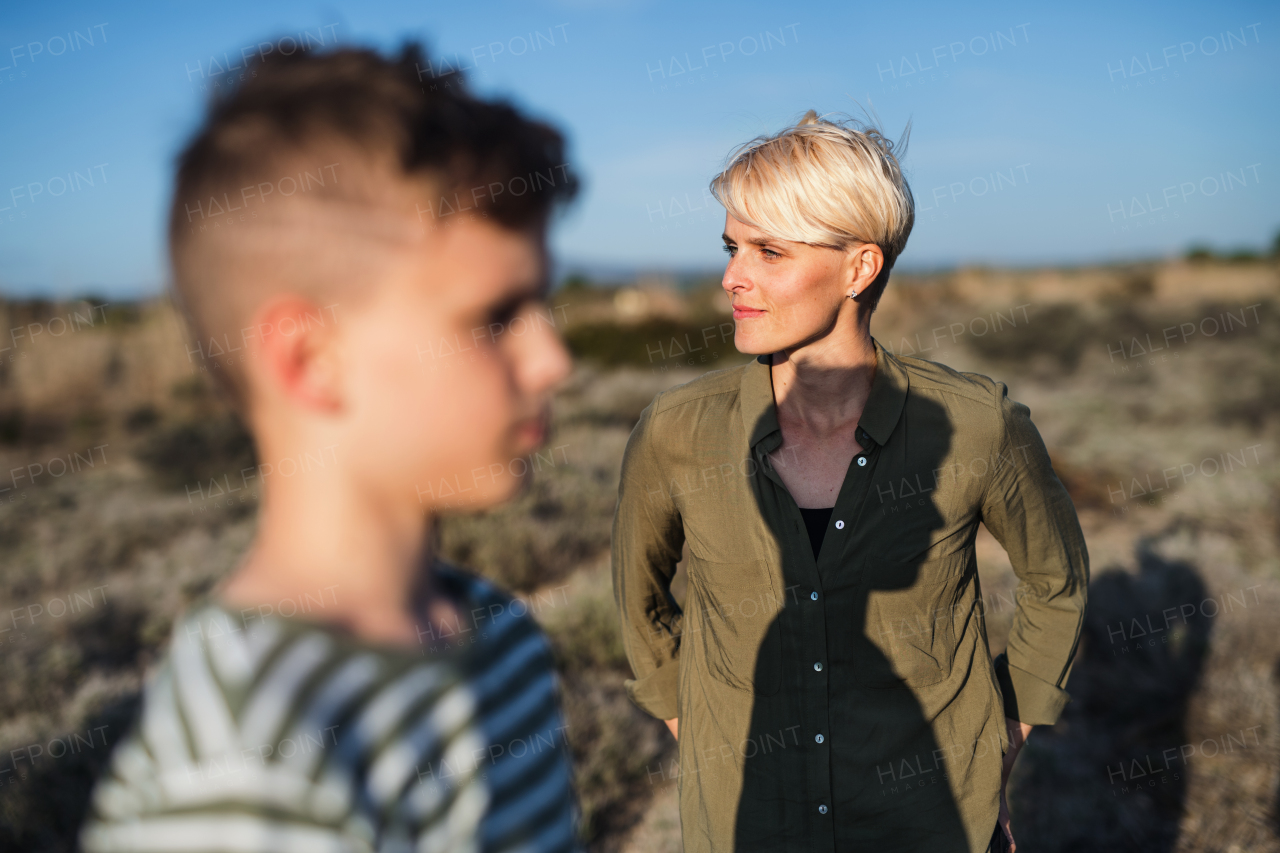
532,431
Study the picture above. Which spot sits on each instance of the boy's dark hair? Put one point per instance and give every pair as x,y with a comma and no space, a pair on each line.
338,128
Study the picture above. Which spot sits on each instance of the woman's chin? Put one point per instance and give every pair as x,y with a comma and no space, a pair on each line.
754,347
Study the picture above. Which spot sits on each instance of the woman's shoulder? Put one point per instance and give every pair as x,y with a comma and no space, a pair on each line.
725,380
703,405
975,404
935,378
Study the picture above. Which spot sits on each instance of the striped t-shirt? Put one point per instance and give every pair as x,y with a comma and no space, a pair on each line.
277,734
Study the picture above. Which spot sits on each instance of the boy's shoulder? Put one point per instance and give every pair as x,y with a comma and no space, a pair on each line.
246,649
468,585
256,711
488,618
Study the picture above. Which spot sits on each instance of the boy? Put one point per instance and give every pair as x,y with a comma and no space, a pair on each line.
348,219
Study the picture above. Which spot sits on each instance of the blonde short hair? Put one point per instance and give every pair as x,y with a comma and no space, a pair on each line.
828,183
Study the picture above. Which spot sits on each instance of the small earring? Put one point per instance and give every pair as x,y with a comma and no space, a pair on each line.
852,295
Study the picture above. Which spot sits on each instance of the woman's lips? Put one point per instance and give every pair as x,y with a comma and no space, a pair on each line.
741,313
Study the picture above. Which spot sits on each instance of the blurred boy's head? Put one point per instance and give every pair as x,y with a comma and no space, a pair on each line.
358,247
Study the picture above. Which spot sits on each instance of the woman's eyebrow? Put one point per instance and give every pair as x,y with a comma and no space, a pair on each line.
755,241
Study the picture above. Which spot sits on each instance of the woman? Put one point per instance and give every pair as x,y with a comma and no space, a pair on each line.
834,690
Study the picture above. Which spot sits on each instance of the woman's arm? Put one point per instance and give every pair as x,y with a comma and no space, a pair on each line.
648,539
1028,510
1017,737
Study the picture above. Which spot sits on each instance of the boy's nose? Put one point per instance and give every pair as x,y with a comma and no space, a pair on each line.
556,364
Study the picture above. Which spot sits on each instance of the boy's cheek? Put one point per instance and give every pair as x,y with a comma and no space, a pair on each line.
481,389
447,416
477,426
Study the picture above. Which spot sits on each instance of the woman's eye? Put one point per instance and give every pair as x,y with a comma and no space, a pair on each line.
730,250
770,254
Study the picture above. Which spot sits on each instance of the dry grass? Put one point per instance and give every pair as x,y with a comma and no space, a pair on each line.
126,535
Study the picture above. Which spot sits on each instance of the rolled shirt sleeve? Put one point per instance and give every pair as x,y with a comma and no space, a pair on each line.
1028,510
648,538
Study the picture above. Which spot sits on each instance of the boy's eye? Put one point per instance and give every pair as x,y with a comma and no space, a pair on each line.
770,254
730,250
506,312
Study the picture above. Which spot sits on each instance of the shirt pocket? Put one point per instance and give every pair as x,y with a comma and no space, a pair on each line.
735,630
909,631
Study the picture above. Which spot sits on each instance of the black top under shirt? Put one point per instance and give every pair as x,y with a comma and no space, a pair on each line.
816,521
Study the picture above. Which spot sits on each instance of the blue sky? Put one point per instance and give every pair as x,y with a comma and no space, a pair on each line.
1041,134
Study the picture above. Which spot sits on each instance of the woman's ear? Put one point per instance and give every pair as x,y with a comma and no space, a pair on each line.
298,359
867,260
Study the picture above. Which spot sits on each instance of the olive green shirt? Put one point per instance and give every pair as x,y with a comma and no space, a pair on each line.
848,702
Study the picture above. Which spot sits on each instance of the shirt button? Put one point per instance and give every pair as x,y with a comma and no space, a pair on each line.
813,596
822,809
839,525
862,461
818,738
817,667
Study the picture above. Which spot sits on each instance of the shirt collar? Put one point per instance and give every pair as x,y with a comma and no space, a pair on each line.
879,416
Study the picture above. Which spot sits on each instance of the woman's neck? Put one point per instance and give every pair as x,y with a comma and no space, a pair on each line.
824,386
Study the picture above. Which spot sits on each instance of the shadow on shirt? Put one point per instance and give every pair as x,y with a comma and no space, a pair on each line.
886,787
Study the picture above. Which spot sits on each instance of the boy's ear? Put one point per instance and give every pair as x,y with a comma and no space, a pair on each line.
298,352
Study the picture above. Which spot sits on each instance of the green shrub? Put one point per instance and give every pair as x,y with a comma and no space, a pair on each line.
657,343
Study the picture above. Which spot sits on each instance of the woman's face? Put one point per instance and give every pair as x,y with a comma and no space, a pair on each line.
788,294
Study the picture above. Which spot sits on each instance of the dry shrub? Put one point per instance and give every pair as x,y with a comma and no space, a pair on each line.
190,453
1058,332
618,749
562,518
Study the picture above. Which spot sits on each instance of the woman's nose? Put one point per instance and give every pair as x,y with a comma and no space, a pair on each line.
733,277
